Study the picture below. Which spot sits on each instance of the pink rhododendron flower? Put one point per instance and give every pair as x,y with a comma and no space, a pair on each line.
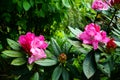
92,35
99,5
33,45
25,41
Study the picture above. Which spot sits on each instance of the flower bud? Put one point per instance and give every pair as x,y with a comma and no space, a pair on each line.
115,3
111,46
62,57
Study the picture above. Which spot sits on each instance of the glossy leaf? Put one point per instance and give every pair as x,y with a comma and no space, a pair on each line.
13,44
88,65
49,54
118,43
56,73
75,31
35,76
97,57
26,5
56,47
75,42
105,68
11,53
65,74
46,62
18,61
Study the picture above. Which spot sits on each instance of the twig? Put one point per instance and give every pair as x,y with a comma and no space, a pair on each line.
109,27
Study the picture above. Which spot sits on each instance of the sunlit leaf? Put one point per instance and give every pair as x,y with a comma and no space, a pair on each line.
26,5
11,53
75,42
18,61
66,3
75,31
118,43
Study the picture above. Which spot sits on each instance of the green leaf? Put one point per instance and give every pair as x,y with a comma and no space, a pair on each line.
18,61
116,30
66,3
49,54
30,66
41,13
118,43
26,5
35,76
65,74
56,73
75,31
13,44
11,53
88,65
56,47
46,62
32,2
105,68
73,69
75,42
87,46
1,47
97,57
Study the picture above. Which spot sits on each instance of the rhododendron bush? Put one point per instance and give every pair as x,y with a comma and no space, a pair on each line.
91,52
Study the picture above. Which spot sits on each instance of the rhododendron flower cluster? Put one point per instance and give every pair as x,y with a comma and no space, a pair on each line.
93,36
99,5
33,45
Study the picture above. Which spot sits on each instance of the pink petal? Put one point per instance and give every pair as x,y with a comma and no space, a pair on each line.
87,41
39,43
105,39
98,37
41,37
95,44
37,54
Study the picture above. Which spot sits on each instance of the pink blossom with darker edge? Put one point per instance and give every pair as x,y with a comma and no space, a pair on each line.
99,5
